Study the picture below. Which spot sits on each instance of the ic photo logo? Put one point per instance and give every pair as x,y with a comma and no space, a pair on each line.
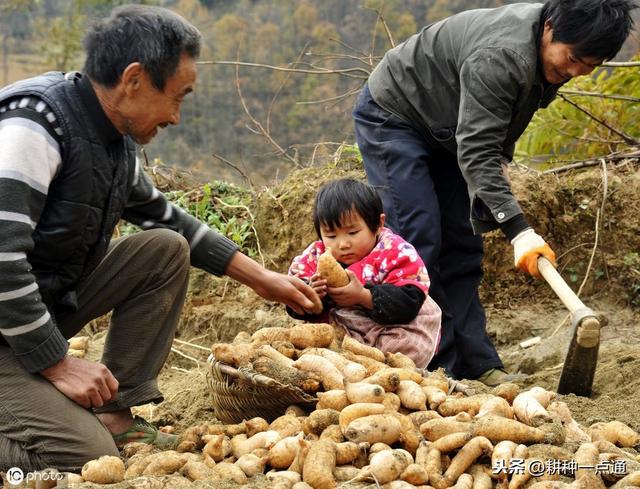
15,476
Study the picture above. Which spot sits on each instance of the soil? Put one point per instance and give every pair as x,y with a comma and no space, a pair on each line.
564,208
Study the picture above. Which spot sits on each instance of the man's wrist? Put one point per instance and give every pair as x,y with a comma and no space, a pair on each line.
514,226
51,371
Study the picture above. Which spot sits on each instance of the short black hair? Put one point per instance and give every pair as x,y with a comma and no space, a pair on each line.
153,36
337,198
595,28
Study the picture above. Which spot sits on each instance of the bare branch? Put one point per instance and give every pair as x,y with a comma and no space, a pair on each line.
332,99
350,48
373,34
628,139
595,161
588,139
251,129
388,32
284,82
313,145
236,168
257,123
314,66
350,57
600,95
599,215
345,72
621,64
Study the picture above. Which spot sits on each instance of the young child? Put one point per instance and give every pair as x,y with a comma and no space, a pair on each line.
386,303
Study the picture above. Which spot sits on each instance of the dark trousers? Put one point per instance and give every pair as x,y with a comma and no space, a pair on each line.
143,280
426,201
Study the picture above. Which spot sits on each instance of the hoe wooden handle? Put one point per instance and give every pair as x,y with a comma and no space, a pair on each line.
582,356
559,286
584,319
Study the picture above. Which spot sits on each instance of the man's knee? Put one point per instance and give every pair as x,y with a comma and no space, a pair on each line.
73,455
170,246
65,452
170,241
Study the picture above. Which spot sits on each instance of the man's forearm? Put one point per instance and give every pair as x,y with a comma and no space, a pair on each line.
246,271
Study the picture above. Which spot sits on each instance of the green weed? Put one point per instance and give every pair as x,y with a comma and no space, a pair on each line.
222,206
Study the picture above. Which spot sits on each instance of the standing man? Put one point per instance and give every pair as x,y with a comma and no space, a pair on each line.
438,121
68,173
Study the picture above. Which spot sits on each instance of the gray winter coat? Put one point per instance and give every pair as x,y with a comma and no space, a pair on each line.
471,83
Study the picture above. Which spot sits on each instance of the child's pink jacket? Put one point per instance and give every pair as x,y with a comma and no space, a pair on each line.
392,261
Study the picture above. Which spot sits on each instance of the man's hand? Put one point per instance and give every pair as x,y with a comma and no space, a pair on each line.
291,291
352,294
274,286
89,384
527,247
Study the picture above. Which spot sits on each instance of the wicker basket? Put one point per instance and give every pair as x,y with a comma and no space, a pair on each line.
243,393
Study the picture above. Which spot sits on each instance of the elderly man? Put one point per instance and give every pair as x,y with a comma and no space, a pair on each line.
68,173
438,119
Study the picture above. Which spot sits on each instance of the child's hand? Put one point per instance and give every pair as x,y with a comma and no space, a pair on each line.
352,294
319,285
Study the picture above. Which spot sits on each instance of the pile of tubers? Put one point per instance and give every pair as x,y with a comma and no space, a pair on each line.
379,421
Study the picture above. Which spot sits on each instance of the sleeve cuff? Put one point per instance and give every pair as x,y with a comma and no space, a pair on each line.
514,226
48,353
213,253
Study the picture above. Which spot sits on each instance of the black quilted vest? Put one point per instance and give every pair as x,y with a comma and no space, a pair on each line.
85,199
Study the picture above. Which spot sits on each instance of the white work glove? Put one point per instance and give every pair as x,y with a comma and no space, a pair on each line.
527,247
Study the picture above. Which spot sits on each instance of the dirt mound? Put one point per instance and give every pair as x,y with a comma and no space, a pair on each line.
564,209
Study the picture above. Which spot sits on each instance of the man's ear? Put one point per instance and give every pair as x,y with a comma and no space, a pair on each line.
131,78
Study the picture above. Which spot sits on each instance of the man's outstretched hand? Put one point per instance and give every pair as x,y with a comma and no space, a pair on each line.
291,291
87,383
274,286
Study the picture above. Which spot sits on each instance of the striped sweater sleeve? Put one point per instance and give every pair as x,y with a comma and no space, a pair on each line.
29,160
148,208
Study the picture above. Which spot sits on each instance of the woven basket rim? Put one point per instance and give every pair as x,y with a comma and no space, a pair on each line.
258,379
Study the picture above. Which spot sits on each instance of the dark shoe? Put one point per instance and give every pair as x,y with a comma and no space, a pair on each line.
496,376
142,431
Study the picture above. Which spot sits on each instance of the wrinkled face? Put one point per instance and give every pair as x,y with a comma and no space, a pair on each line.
559,64
149,109
352,240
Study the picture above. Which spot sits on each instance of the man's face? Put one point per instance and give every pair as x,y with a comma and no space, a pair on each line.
149,108
559,64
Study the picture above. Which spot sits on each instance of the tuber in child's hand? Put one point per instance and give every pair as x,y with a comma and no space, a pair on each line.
352,294
331,270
